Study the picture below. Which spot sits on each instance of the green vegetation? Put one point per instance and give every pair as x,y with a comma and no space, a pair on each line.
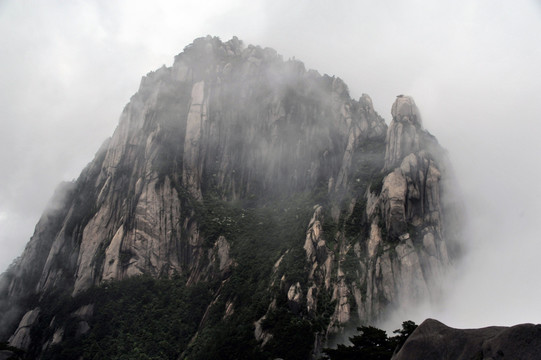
137,318
368,161
376,185
293,335
258,237
146,318
354,224
372,344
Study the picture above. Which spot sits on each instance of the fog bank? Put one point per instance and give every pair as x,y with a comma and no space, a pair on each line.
472,67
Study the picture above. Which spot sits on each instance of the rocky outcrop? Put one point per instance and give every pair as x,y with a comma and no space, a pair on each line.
22,337
434,340
229,131
401,252
410,210
403,135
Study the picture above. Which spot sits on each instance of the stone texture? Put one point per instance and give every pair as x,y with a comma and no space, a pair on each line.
403,135
433,340
21,338
295,297
193,159
222,249
238,123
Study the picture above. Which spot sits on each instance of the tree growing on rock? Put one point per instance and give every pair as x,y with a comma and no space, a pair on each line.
372,344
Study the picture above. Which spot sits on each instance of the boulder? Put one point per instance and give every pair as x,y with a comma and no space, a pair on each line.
433,340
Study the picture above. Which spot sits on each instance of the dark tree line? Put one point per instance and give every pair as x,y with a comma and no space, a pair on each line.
372,344
12,352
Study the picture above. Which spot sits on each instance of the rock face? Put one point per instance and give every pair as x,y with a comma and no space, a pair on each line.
403,136
21,338
433,340
230,138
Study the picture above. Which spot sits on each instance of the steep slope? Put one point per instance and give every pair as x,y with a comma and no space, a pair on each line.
292,208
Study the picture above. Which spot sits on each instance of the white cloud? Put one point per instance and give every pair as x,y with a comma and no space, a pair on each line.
68,68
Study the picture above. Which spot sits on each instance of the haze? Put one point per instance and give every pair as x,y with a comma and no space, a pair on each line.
68,69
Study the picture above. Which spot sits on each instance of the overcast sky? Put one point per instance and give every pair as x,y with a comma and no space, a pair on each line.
473,67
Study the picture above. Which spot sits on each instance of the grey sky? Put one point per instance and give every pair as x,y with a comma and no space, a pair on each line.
473,67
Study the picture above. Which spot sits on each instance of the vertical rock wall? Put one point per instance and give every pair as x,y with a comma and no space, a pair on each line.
399,253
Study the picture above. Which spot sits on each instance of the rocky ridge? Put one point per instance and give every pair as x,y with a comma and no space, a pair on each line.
231,134
434,340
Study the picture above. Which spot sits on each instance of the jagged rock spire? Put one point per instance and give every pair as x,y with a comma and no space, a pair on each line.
403,137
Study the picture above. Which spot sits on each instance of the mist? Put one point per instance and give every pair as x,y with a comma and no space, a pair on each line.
472,68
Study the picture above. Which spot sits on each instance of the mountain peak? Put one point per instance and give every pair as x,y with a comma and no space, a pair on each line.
261,186
405,134
405,110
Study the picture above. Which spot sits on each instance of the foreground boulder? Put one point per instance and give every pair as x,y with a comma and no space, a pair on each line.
433,340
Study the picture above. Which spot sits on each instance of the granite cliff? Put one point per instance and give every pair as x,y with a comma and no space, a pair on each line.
295,207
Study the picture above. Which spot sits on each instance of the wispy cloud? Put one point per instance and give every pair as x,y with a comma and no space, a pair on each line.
473,69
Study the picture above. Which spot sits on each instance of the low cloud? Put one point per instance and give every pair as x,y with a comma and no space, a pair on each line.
472,68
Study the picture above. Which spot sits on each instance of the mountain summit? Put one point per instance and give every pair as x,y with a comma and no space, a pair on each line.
243,208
